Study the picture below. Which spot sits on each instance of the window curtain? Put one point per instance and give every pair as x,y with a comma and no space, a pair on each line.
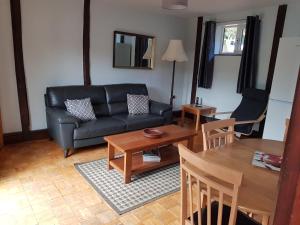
248,67
141,45
206,70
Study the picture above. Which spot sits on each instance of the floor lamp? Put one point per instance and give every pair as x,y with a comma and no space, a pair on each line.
174,53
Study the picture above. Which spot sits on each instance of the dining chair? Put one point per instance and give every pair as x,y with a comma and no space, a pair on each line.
213,180
218,133
287,124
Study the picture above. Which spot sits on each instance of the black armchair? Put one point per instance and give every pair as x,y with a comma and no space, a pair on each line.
251,111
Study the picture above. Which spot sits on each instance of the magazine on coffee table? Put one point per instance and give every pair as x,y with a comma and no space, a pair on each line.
152,156
268,161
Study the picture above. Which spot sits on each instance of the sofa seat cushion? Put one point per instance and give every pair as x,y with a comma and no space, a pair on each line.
98,128
136,122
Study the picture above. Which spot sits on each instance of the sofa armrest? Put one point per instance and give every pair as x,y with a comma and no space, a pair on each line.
159,108
163,110
61,125
62,116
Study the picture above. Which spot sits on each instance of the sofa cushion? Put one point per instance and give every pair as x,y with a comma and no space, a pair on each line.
138,104
81,109
98,128
56,96
136,122
116,95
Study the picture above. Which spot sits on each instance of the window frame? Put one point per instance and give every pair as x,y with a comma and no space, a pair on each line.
241,26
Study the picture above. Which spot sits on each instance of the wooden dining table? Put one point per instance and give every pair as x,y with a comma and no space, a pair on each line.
258,192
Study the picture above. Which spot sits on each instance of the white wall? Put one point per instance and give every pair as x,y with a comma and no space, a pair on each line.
105,19
8,89
189,66
291,25
223,92
52,42
52,45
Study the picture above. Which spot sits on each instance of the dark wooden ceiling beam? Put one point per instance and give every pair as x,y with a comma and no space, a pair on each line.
277,35
86,43
196,59
16,19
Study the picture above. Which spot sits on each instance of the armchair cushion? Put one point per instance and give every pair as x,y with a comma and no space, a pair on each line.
252,106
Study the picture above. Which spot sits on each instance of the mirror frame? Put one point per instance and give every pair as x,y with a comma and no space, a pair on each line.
138,35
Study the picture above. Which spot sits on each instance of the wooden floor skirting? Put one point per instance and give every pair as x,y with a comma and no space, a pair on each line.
17,137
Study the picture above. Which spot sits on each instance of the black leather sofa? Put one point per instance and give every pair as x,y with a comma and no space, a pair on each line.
110,106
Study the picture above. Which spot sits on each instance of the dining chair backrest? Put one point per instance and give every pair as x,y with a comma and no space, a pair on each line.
287,124
214,136
211,179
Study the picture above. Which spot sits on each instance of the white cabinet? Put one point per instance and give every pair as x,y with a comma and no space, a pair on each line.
278,111
286,69
283,88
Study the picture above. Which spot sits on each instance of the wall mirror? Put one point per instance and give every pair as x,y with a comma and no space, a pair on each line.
133,51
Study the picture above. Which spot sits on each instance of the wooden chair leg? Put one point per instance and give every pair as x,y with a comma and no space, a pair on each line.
183,197
265,220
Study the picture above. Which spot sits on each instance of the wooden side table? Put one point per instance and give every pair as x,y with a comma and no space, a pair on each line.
196,111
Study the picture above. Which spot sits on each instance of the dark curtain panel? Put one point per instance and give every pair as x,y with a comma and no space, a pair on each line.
248,67
141,45
206,69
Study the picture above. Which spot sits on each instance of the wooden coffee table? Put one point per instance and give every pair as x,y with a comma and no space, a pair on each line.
132,143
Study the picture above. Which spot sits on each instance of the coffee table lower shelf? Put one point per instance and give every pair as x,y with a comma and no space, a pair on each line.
169,155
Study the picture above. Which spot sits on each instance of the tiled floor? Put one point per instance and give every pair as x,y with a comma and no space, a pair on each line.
39,186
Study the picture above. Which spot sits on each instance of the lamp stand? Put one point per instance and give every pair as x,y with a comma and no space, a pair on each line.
172,87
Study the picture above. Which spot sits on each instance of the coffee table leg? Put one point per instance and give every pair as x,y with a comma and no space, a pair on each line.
111,155
127,167
190,143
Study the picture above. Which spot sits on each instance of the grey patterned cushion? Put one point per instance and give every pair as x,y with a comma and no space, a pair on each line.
81,108
138,104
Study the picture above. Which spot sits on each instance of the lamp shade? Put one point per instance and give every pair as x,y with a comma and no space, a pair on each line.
148,53
174,4
175,52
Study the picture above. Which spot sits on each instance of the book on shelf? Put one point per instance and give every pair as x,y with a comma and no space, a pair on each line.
151,156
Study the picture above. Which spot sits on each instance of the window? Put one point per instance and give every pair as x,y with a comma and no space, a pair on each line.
230,38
